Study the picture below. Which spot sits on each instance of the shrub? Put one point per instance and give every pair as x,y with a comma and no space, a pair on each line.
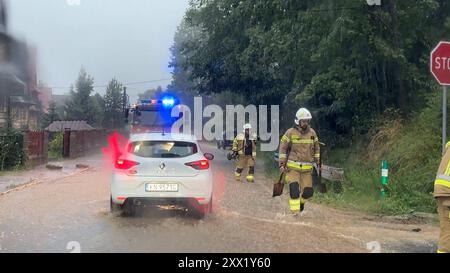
55,146
11,150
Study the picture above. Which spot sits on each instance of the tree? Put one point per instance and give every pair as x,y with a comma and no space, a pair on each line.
345,60
98,104
51,115
151,93
81,106
182,77
113,102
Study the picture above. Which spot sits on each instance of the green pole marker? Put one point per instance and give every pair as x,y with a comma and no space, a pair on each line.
384,177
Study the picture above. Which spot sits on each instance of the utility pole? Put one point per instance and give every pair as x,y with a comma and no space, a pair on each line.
8,113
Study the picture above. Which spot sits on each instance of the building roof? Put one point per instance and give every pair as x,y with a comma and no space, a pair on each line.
73,125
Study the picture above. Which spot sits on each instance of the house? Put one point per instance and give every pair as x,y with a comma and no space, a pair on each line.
19,103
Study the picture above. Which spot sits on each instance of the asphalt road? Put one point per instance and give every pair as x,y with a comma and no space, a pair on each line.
72,214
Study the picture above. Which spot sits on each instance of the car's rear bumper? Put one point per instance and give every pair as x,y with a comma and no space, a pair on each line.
151,201
197,188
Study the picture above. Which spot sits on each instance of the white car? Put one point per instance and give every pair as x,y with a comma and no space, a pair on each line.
162,169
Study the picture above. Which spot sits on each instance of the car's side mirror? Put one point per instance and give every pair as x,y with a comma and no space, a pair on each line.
209,156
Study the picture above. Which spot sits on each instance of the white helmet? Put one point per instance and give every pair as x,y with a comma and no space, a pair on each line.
302,114
247,126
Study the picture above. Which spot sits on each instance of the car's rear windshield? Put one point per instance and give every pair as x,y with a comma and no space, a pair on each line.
162,149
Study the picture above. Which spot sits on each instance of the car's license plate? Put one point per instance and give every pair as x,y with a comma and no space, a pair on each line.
161,187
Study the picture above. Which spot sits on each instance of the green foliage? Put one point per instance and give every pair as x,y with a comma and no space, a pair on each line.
346,61
51,115
11,150
413,152
98,106
81,105
151,93
55,146
113,104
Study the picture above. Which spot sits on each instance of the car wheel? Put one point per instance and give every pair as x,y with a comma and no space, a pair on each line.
115,208
209,207
201,211
129,209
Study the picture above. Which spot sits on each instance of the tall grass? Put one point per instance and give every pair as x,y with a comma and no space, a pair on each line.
413,150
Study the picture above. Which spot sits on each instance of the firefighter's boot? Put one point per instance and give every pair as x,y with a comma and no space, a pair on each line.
237,174
251,174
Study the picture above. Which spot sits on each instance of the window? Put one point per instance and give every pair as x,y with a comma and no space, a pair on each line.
162,149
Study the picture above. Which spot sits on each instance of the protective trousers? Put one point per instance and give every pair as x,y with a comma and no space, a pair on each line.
300,188
243,162
443,204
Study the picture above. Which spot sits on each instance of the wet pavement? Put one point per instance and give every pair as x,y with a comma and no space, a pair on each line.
71,213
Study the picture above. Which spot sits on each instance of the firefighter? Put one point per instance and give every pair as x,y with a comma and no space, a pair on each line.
442,195
244,145
299,150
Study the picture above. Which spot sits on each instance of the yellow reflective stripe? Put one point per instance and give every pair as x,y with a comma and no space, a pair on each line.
303,141
254,154
442,182
285,139
294,204
282,156
447,145
447,171
298,167
440,251
317,155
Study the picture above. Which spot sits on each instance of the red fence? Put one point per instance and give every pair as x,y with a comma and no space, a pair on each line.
36,146
80,143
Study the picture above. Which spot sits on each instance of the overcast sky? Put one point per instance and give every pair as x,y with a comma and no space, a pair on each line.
128,39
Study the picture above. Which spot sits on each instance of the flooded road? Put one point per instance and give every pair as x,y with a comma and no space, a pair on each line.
71,214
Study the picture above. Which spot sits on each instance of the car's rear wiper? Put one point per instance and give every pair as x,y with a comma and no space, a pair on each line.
167,155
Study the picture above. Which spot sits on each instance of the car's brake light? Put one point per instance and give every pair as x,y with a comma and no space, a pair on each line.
199,165
125,164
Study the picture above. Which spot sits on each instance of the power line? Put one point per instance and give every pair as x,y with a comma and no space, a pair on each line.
124,84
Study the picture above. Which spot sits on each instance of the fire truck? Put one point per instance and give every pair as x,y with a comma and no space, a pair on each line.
153,115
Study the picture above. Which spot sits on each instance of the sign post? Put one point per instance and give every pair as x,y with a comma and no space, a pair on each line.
444,118
440,68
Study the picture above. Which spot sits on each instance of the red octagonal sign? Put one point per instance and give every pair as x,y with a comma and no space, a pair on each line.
440,63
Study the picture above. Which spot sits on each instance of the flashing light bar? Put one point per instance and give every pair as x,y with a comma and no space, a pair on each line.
166,102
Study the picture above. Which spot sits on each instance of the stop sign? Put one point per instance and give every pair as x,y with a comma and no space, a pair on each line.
440,63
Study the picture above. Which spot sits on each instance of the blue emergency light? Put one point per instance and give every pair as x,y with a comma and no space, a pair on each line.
168,102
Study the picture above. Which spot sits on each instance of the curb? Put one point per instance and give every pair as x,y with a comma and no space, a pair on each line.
37,182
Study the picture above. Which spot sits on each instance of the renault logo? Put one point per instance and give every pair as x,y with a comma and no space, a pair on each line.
162,166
